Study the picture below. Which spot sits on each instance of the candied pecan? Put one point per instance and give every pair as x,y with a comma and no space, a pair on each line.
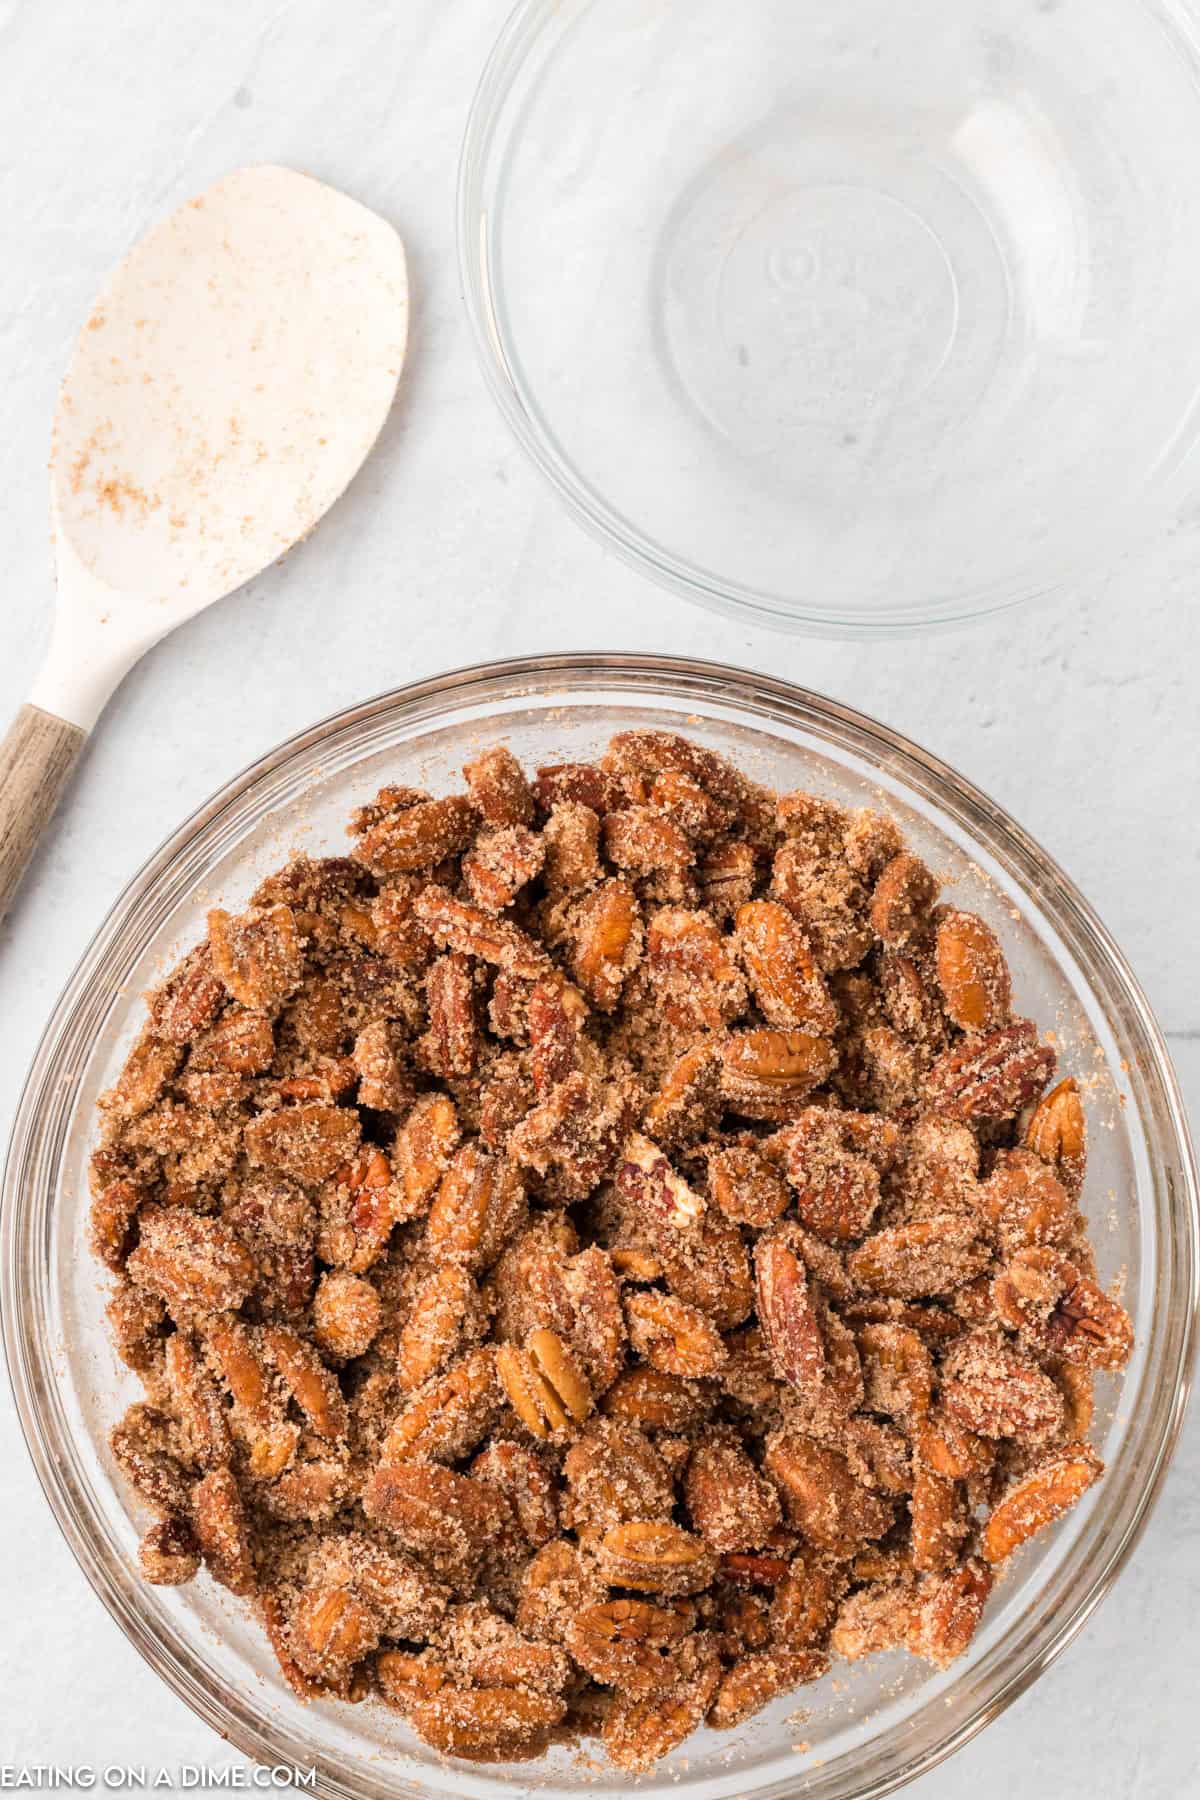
138,1321
425,1143
768,1074
755,1680
346,1314
950,1449
331,1628
556,1014
147,1070
636,755
709,1267
490,1651
1039,1497
873,1618
837,1190
456,925
655,1557
199,1413
445,1310
558,1582
972,972
694,980
222,1531
571,848
1061,1312
241,1042
141,1447
754,1569
805,1602
731,1505
901,900
357,1211
637,1732
994,1076
417,835
479,1205
996,1392
445,1519
614,1474
190,1261
658,1401
505,1097
595,1326
573,1139
930,1256
687,1102
788,1318
647,1180
500,864
1057,1132
641,841
627,1644
189,1000
519,1477
312,1386
485,1723
452,1044
448,1416
746,1187
669,1334
169,1553
827,900
307,1142
1025,1203
788,986
110,1219
257,957
897,1371
607,942
583,784
545,1387
939,1521
869,841
833,1510
947,1610
726,877
498,788
382,1083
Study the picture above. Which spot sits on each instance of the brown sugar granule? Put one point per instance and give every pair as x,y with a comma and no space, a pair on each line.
597,1252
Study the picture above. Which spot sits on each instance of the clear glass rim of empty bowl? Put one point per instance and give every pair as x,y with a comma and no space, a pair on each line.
36,1147
1109,537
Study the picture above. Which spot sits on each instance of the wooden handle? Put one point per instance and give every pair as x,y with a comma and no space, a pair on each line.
35,760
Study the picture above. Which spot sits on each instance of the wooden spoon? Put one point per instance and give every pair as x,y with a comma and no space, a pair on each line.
230,381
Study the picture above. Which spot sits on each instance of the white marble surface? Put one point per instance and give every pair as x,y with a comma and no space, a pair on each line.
1080,717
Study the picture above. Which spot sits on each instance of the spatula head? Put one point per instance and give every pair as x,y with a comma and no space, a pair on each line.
232,377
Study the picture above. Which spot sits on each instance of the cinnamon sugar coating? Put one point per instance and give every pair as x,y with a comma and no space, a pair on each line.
596,1252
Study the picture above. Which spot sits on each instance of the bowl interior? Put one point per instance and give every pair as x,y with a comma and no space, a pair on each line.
865,1727
854,315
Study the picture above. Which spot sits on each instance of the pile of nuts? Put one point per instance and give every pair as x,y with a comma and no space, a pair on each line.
596,1252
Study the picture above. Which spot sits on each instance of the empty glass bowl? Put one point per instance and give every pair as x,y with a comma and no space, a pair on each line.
845,315
866,1728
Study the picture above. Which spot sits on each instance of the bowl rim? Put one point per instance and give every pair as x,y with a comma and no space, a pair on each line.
26,1359
1111,537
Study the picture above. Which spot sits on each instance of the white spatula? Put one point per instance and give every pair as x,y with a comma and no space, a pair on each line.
230,381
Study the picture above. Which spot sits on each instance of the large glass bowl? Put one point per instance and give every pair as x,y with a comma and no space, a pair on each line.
884,1721
847,315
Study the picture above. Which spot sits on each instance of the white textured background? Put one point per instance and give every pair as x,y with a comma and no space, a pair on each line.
1080,717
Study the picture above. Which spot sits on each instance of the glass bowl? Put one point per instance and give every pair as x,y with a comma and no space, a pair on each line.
885,1720
848,316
